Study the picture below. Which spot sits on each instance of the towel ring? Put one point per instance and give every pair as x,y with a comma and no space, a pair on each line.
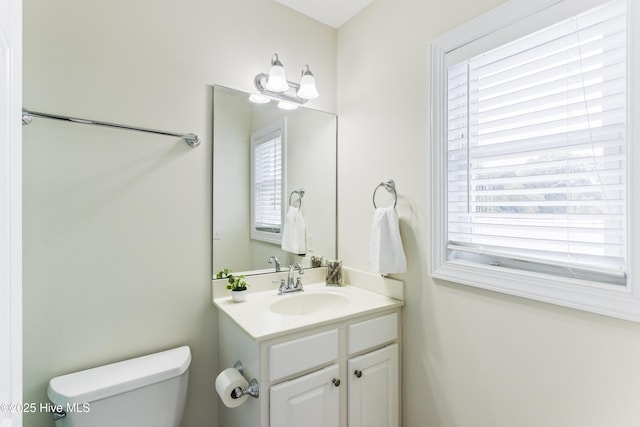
390,186
300,193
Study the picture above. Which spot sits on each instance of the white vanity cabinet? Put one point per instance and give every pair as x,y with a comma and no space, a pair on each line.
310,400
373,385
373,389
342,374
362,386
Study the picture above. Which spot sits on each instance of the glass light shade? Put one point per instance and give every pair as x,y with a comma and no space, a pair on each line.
283,105
307,86
259,99
277,81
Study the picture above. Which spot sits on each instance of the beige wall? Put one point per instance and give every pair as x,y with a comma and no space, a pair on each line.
472,358
117,233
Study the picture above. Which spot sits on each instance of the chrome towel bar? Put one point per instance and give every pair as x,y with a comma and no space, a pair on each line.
190,138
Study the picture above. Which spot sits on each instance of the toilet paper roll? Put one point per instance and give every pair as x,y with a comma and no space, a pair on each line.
226,382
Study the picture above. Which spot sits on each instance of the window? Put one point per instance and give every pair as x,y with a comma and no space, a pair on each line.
267,183
530,149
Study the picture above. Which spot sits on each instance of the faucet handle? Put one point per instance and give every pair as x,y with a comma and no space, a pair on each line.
283,285
299,283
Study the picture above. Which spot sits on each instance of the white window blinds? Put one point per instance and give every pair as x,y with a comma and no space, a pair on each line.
267,183
536,150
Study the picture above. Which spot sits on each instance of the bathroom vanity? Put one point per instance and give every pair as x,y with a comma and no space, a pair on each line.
327,356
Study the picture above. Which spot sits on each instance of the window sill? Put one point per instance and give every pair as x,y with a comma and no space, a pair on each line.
608,300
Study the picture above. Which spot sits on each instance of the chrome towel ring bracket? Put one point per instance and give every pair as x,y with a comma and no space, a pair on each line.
390,186
300,194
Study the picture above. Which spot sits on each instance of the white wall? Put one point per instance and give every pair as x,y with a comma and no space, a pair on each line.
117,233
472,358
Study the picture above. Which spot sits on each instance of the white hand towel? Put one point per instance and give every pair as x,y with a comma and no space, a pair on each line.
386,254
294,234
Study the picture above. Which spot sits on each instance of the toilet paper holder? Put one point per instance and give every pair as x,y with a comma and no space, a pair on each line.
252,389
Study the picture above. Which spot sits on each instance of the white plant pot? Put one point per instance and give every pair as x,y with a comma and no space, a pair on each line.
239,296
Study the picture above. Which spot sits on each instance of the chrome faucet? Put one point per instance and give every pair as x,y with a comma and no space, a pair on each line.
290,285
292,267
273,259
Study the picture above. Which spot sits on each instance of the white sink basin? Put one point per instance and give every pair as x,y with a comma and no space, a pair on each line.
308,303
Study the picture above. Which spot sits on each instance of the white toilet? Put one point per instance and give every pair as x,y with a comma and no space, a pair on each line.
148,391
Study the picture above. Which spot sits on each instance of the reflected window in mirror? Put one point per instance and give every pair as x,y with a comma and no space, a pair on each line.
267,182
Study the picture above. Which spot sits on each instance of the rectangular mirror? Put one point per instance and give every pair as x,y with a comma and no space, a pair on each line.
263,157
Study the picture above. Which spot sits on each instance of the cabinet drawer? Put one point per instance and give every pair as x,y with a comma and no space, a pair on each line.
291,357
372,333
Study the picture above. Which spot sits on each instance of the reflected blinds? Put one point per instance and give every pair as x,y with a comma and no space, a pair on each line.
268,184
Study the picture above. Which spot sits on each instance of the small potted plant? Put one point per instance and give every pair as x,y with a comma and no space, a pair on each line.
237,284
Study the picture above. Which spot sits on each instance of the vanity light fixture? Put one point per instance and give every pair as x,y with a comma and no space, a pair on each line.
276,86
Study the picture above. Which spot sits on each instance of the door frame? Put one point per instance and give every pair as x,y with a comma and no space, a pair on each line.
11,212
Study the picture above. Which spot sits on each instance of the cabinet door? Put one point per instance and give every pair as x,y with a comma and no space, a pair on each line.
373,389
311,400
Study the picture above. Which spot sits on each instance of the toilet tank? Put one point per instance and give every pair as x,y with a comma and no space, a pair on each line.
148,391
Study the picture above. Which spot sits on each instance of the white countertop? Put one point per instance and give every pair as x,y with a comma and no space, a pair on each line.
256,318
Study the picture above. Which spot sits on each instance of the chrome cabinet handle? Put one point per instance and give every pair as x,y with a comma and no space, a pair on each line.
357,373
336,382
